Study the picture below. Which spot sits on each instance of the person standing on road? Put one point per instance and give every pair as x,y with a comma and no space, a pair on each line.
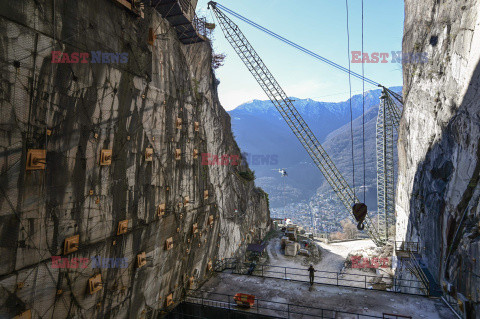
312,271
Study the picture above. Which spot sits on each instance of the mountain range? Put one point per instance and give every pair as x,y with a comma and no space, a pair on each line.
261,132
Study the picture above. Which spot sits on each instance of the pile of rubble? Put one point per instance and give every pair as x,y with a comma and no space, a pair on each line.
296,242
376,261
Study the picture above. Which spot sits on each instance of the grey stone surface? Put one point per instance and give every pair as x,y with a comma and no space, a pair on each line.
126,108
439,155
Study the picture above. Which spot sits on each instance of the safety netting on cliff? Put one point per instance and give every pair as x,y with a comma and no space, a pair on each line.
89,190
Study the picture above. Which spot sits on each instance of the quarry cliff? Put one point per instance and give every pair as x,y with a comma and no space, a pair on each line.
106,210
439,155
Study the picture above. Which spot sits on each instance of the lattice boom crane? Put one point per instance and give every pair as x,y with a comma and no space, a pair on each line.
388,119
297,124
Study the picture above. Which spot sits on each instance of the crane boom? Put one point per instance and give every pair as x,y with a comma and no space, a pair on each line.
295,121
392,108
388,119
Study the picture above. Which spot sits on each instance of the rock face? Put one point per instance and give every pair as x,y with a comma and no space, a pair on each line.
152,179
439,154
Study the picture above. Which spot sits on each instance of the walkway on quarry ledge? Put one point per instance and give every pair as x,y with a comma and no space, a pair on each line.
353,300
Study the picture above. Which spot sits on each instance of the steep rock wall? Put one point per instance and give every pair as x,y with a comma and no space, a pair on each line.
74,111
439,156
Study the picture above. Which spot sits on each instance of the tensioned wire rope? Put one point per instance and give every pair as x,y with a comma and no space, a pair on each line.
335,65
297,46
351,111
363,114
350,73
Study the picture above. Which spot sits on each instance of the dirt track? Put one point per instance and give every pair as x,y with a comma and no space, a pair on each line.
332,255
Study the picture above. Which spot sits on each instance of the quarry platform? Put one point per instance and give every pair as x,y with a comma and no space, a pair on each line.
346,300
181,15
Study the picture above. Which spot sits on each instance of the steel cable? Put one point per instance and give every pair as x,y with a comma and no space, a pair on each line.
351,111
315,55
363,115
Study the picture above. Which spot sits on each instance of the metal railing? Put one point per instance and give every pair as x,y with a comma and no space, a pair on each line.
419,272
224,264
272,308
452,304
421,285
199,24
202,28
405,246
340,279
411,262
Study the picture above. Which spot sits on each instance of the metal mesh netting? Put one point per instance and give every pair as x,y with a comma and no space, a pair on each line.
74,111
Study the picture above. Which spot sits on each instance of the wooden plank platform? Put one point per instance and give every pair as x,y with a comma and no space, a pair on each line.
180,16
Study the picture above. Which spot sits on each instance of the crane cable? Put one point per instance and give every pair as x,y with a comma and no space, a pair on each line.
350,85
315,55
337,66
363,115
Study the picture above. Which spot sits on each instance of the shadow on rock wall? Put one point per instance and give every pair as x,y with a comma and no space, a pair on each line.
444,212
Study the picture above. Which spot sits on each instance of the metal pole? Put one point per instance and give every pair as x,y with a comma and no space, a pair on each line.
385,181
288,310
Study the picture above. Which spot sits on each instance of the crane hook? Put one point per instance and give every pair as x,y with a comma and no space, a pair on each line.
359,210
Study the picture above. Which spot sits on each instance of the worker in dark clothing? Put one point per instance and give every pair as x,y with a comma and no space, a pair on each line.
252,268
312,271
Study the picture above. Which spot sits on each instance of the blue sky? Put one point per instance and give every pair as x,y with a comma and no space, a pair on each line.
320,26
